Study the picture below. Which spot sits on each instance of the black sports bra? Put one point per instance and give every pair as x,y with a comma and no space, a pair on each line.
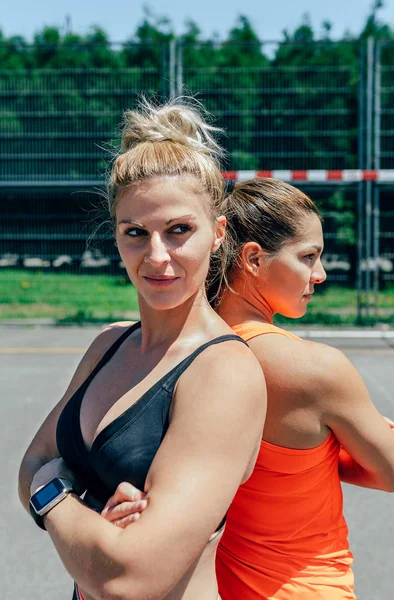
124,450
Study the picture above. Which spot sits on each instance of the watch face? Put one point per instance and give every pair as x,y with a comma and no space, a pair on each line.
46,494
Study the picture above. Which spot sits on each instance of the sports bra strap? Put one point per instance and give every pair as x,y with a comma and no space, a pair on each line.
111,351
172,377
176,372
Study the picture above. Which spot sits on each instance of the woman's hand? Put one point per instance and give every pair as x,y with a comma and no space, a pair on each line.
389,421
125,506
55,468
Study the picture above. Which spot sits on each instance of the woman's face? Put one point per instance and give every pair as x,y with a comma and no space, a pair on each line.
165,237
288,279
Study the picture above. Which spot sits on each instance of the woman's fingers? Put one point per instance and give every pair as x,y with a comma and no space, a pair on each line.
123,510
127,520
389,421
125,506
127,492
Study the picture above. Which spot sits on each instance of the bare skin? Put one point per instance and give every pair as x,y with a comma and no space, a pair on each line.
165,237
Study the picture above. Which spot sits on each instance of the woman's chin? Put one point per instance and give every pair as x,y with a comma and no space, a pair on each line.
161,305
295,313
163,302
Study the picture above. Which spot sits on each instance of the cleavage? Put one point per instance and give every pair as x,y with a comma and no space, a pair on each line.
120,383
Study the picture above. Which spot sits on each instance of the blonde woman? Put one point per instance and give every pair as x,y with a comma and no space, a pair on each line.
174,404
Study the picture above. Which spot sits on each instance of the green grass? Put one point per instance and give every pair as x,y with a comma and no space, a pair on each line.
89,298
66,298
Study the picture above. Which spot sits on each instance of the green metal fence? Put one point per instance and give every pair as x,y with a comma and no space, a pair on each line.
58,128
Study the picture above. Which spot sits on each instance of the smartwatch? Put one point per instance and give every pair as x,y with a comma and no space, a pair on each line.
47,497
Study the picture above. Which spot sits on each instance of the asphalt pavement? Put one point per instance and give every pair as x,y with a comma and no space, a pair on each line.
36,364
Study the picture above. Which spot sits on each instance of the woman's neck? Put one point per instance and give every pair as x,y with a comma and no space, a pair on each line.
244,302
193,319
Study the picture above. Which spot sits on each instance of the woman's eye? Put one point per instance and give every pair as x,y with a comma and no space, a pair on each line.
310,256
135,232
179,229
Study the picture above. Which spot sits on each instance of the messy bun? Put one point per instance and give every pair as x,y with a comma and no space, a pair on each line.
171,122
171,139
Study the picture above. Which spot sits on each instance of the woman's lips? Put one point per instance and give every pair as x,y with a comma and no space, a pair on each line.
160,281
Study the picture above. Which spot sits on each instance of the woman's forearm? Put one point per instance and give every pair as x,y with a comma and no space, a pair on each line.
350,471
90,558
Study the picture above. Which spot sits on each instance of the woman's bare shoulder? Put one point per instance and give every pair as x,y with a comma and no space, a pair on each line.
230,368
108,335
99,346
304,364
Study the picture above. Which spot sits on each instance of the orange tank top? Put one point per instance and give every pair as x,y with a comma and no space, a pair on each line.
286,537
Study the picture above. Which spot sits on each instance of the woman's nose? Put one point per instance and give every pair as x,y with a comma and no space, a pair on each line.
158,252
319,275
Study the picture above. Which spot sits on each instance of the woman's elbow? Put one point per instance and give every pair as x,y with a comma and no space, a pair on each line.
131,577
388,485
128,588
24,481
383,482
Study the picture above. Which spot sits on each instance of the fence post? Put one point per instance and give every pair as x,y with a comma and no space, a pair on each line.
376,203
172,67
180,69
360,186
368,184
164,71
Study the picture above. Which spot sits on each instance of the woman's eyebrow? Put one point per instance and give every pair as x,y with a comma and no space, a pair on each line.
128,222
179,218
312,247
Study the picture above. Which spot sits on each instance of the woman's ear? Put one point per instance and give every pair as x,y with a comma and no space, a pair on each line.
252,256
220,232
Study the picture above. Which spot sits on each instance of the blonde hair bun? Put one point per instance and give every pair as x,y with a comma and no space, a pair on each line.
178,121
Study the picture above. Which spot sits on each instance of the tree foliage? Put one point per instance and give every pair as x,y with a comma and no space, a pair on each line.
290,105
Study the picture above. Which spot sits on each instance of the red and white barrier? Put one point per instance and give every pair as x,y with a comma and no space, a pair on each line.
312,176
317,176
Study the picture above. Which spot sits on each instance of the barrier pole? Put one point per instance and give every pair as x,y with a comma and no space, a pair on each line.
368,185
376,203
172,68
179,81
360,187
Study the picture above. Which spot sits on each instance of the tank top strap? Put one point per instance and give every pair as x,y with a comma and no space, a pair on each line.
174,374
111,351
251,329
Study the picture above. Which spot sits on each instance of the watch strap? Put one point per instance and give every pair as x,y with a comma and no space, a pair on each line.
37,518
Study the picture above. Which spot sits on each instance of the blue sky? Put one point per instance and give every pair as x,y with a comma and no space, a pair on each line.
121,17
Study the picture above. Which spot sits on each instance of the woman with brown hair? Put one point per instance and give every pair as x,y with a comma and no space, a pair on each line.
286,536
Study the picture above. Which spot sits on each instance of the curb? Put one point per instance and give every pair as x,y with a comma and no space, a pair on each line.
49,322
29,322
383,333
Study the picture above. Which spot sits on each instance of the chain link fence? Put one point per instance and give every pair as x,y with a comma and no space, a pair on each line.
275,115
58,128
59,125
